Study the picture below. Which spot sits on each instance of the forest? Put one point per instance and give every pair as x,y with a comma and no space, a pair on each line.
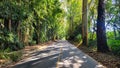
93,24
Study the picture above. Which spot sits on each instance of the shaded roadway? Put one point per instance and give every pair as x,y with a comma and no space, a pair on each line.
60,54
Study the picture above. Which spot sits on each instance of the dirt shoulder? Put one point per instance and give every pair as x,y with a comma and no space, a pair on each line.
109,60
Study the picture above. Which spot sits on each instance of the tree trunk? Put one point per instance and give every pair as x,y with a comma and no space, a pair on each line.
101,30
84,23
115,33
9,25
26,37
6,24
38,38
19,31
119,15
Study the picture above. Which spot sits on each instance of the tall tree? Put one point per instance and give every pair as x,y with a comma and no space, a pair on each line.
85,23
101,30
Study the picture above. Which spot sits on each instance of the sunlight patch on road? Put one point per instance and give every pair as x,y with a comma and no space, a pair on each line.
70,62
100,66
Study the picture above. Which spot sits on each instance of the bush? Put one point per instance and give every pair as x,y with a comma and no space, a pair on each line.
13,56
116,49
32,42
3,56
78,38
110,35
115,46
92,42
10,40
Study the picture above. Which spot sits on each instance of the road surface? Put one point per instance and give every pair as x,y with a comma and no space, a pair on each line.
60,54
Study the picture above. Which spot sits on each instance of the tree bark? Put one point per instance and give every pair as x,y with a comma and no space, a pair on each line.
9,25
84,23
38,38
6,24
101,30
19,33
26,37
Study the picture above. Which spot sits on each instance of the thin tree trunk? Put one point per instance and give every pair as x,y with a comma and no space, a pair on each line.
84,23
115,34
38,38
26,36
6,24
9,25
101,30
19,31
119,16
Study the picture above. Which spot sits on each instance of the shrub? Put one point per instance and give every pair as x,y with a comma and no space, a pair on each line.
92,42
115,46
116,49
78,38
10,40
13,56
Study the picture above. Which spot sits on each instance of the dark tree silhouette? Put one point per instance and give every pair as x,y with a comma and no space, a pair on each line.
101,30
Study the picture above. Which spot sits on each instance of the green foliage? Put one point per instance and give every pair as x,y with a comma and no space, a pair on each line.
13,56
92,42
74,16
110,35
78,38
3,55
12,10
10,40
115,46
39,20
31,42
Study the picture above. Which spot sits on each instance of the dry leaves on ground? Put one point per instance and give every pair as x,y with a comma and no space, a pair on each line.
109,60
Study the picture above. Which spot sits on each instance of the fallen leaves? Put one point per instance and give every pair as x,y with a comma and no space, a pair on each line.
109,60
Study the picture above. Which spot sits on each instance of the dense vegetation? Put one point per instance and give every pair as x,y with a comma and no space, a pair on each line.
29,22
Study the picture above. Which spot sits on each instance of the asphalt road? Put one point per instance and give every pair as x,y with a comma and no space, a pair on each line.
60,54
